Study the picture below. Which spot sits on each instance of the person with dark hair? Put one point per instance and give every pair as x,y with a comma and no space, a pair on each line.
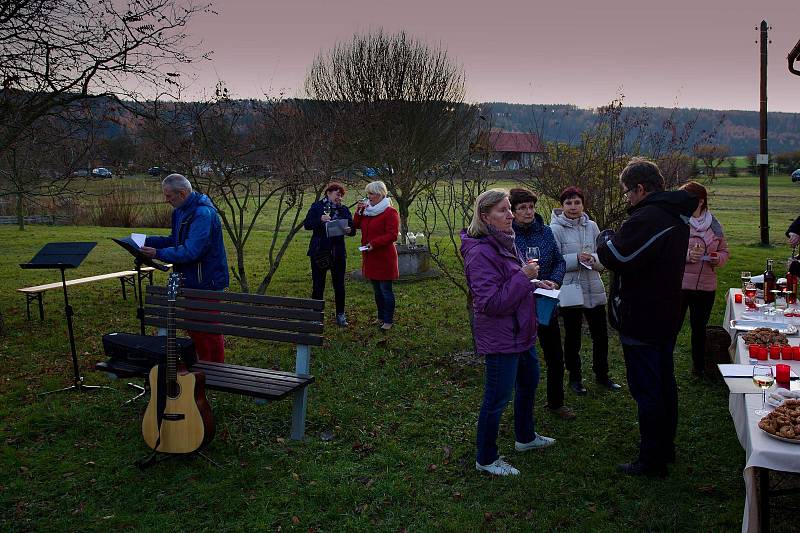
647,256
196,249
575,235
707,252
531,233
504,328
327,252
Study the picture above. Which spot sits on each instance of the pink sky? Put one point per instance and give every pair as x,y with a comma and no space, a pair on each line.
699,53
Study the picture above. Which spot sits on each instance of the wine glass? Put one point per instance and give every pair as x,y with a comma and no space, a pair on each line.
327,210
764,378
532,254
420,236
412,239
745,278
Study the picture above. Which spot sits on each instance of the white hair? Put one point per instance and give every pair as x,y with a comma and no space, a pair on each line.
176,182
377,187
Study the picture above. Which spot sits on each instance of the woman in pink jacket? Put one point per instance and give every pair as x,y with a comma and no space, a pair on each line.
707,252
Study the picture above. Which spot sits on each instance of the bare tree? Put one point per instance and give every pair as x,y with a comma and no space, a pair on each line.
398,106
56,52
713,156
31,173
595,160
253,159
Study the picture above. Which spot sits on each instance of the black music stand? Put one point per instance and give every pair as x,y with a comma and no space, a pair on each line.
139,259
61,256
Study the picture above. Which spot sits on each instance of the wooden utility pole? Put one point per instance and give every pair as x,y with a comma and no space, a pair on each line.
763,157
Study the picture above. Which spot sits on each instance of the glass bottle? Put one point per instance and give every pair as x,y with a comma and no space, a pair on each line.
769,283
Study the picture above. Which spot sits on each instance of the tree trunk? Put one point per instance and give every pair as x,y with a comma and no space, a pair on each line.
240,269
402,209
20,212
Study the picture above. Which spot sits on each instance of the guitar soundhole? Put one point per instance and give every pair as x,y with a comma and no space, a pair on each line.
173,389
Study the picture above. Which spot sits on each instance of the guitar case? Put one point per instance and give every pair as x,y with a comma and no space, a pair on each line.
145,351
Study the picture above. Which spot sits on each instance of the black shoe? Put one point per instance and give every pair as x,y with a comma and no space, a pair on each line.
638,468
609,384
578,388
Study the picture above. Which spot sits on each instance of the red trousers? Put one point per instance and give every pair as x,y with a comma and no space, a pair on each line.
209,346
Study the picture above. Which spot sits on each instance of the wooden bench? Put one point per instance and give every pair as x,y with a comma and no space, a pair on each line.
126,277
273,318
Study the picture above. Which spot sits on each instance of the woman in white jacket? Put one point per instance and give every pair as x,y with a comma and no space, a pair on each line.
575,236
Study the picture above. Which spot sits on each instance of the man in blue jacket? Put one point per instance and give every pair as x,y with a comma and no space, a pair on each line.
647,257
196,249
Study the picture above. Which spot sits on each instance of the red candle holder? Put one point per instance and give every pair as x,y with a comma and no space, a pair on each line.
782,373
796,353
763,353
775,351
737,297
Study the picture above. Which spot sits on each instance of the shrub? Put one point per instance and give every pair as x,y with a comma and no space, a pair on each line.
118,209
157,216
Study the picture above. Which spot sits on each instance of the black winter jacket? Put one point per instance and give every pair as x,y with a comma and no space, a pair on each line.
647,256
794,227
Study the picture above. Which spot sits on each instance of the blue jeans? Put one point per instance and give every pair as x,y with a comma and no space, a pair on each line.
651,378
384,300
504,372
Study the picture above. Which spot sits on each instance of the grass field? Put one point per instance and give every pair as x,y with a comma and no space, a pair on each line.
402,409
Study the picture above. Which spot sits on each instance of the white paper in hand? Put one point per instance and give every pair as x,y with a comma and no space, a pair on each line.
552,293
138,238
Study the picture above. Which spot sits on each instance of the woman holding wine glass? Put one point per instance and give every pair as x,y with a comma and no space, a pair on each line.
533,236
502,288
379,222
708,251
575,234
329,253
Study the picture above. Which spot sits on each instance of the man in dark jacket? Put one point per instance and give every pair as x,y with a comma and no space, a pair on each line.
647,256
793,233
196,249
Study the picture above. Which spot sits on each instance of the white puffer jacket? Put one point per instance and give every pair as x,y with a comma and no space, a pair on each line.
571,237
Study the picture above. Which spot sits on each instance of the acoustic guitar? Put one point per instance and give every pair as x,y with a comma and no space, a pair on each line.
178,418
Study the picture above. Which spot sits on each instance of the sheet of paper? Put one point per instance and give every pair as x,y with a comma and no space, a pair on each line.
138,238
363,248
552,293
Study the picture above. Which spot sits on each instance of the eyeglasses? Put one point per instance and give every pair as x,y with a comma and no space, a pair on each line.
627,192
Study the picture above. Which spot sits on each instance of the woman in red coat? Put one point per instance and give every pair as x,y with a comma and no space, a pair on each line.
379,223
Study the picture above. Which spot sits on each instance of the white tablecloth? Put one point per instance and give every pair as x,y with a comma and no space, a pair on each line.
760,449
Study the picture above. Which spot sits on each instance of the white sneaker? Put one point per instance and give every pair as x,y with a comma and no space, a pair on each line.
539,442
498,468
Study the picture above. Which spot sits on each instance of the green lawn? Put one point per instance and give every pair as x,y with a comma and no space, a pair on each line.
401,407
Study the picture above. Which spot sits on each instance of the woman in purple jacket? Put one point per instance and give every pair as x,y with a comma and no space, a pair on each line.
504,327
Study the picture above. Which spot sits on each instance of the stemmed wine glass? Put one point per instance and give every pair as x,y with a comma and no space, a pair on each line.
764,378
745,279
532,254
412,239
327,210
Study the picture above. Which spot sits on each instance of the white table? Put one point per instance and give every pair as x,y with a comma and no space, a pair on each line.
761,451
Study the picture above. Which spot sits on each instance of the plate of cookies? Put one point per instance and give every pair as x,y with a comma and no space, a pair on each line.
784,422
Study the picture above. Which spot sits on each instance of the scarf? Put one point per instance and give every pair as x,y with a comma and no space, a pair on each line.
506,240
377,209
701,223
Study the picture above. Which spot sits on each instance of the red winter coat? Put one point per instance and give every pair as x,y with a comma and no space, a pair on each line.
380,263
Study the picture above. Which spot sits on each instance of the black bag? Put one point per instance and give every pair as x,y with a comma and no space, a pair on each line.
718,344
322,259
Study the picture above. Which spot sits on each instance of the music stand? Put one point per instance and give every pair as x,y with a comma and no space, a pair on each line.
139,259
61,256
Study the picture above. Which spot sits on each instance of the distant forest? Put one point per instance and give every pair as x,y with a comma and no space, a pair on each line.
737,129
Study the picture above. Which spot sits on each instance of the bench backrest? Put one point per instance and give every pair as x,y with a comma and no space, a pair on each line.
275,318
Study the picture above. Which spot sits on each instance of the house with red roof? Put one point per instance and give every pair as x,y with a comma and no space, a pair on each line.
512,150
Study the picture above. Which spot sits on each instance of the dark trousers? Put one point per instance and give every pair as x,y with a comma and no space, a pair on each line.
318,275
384,300
699,304
651,378
598,329
504,372
550,341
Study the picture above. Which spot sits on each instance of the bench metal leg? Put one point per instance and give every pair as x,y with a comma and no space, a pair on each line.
301,366
28,299
130,280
